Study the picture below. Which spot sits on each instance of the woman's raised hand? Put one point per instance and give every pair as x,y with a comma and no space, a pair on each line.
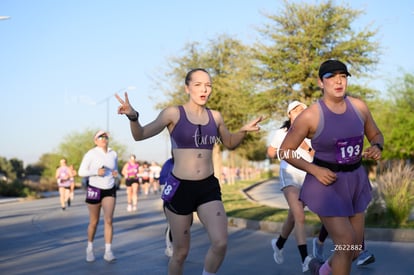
252,125
125,108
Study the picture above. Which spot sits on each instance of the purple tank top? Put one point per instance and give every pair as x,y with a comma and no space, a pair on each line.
63,172
339,138
132,170
191,136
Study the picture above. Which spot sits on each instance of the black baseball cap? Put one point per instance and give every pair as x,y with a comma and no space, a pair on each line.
329,67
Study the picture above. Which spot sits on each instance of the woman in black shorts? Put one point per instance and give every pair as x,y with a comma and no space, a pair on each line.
100,165
194,130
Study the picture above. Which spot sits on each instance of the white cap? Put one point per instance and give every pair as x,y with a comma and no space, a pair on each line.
100,133
295,104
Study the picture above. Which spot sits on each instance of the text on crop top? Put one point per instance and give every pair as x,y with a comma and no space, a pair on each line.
194,136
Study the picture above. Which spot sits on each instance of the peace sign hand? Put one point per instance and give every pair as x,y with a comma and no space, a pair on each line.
125,108
252,125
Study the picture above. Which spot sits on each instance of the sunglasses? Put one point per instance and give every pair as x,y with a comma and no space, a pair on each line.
103,137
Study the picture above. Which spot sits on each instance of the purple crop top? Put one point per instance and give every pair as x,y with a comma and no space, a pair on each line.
191,136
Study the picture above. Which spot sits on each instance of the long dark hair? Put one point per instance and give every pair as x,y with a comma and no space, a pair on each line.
286,124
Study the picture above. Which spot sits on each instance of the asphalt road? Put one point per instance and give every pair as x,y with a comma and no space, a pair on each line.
37,237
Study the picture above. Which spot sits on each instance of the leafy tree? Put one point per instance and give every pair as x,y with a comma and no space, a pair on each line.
299,39
49,162
230,65
6,168
73,148
396,119
75,145
34,169
18,167
171,80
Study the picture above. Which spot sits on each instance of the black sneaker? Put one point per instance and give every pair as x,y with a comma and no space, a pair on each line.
68,202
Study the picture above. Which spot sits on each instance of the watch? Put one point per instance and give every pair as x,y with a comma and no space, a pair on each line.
379,146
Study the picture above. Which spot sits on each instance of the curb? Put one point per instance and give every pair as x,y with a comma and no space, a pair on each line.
8,200
371,233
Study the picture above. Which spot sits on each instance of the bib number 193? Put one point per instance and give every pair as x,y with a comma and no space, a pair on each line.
349,150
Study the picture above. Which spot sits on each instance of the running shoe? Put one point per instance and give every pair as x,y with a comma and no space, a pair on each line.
317,250
134,208
168,251
365,258
277,253
305,264
314,266
109,256
68,202
90,256
168,243
129,208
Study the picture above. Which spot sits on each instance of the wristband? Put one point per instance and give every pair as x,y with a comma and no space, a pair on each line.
133,118
379,146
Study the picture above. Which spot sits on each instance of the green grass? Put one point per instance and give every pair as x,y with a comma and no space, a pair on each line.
238,206
396,187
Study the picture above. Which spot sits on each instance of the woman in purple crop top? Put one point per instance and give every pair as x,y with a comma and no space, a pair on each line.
336,186
194,129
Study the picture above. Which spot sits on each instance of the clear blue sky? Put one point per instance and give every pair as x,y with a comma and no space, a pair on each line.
59,59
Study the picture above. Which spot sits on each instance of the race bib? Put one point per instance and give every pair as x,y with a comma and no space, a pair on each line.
93,193
349,150
170,188
63,183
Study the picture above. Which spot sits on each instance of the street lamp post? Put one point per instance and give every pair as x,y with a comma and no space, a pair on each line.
106,99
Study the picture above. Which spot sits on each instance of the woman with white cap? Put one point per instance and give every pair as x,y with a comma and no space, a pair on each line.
291,180
100,165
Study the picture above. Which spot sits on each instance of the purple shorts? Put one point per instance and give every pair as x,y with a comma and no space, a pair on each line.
348,195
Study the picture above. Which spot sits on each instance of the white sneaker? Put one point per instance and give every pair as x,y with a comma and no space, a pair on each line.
305,264
129,208
168,251
365,258
109,256
168,244
317,249
134,208
90,256
278,253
